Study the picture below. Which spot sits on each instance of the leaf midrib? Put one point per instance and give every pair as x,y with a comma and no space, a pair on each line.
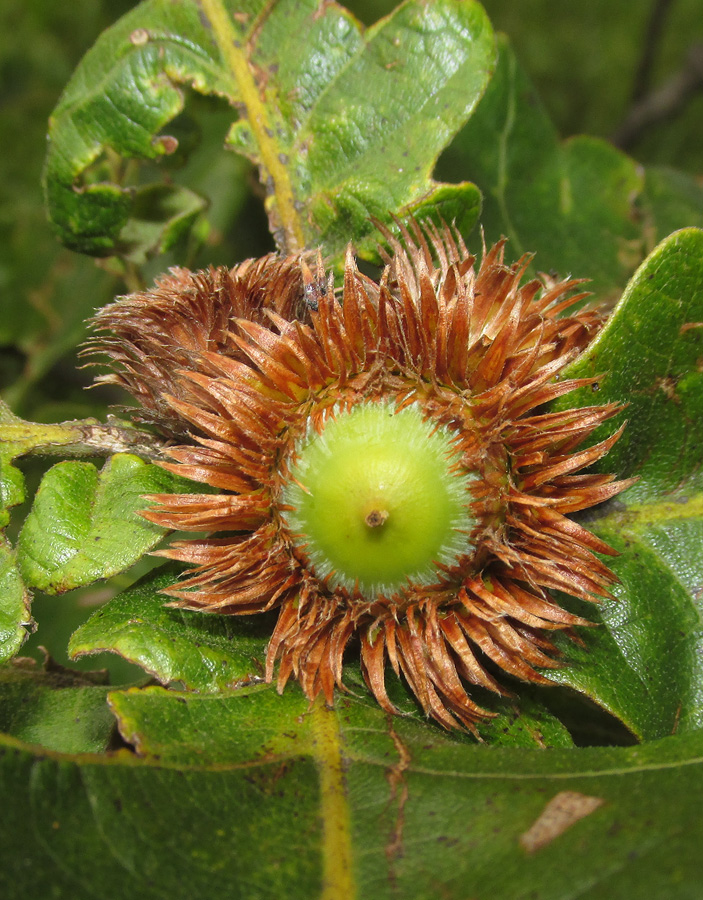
230,47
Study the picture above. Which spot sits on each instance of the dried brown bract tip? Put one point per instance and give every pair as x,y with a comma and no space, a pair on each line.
154,335
384,465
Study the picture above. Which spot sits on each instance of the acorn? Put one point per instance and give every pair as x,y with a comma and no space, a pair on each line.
383,464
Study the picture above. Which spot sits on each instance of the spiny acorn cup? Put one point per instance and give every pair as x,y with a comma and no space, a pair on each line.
382,466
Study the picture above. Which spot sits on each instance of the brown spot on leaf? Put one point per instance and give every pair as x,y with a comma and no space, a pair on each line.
139,37
167,143
668,386
562,811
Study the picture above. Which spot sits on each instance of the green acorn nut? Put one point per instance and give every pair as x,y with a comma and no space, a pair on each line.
378,499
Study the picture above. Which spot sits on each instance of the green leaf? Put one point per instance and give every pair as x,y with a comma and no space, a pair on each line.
520,721
343,125
61,711
12,489
642,660
649,356
159,217
202,652
645,663
582,206
15,618
84,524
205,724
523,721
316,803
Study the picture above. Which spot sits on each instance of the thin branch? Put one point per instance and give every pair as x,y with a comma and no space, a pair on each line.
652,40
80,438
663,103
